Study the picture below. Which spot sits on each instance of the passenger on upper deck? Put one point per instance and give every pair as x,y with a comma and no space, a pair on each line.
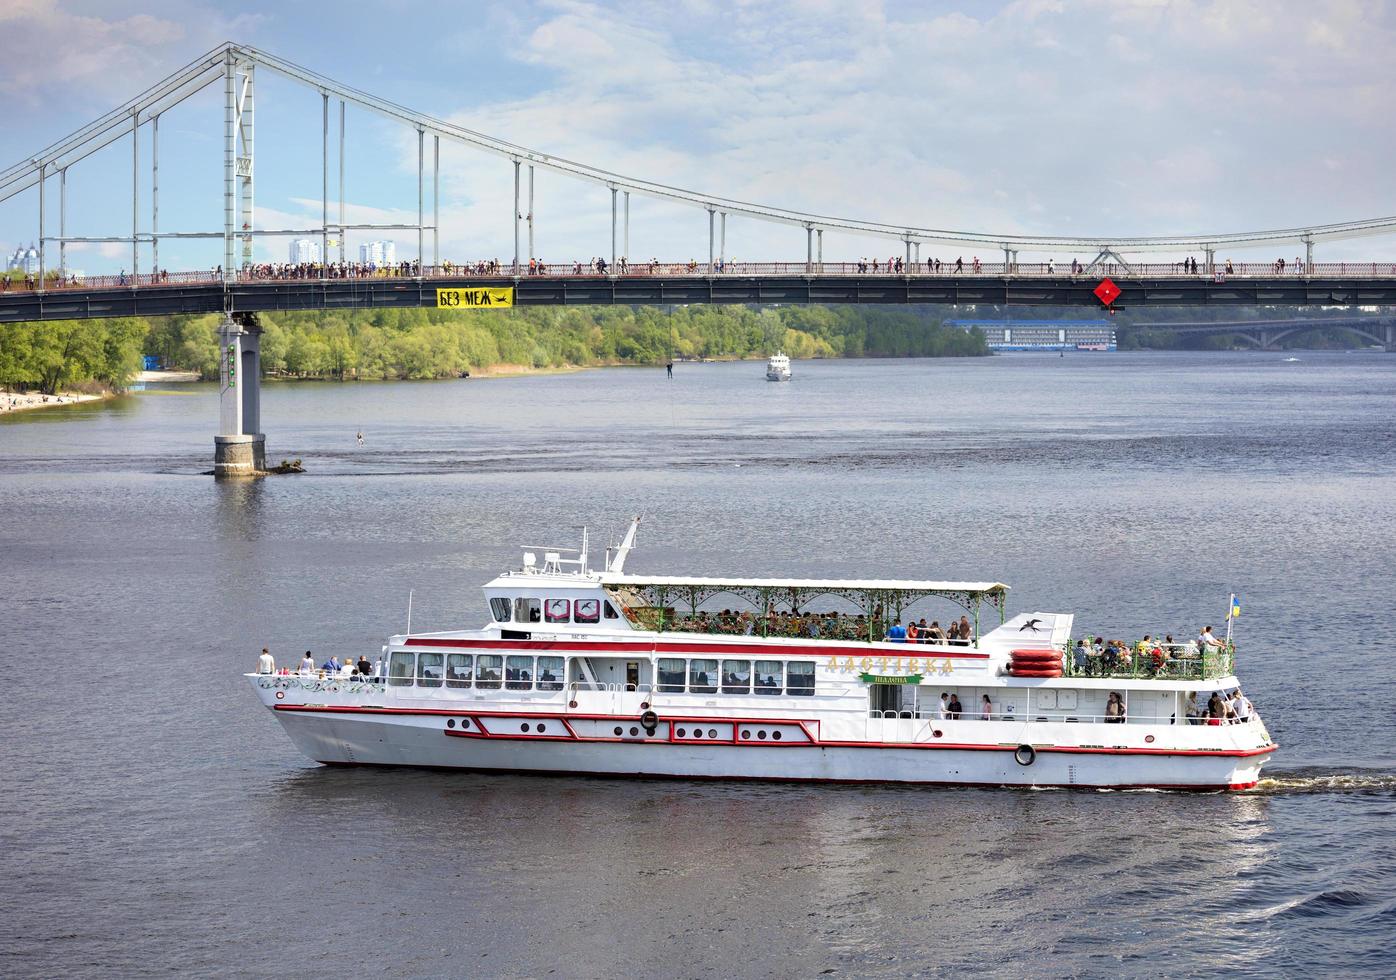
1081,657
307,664
1206,641
966,632
897,634
364,667
1216,709
331,665
265,663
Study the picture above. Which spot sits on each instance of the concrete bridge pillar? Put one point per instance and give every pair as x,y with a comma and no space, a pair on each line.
239,449
1389,332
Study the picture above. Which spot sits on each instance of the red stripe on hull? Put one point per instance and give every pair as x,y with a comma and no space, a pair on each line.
628,720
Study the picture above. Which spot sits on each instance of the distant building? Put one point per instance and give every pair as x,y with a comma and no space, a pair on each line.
1042,335
304,250
25,260
378,253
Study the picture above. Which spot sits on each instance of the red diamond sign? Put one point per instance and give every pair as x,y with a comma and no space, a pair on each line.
1107,292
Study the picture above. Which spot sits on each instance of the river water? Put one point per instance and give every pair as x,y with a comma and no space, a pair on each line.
155,820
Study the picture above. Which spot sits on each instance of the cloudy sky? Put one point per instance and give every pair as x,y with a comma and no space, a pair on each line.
1131,117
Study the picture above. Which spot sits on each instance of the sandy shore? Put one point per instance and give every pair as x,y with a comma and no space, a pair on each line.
146,377
15,402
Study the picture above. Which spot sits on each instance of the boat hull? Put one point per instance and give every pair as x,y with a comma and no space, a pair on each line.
357,738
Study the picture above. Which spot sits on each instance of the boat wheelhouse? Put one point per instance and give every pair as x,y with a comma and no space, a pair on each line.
611,673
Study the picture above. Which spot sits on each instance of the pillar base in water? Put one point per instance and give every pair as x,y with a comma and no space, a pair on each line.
244,455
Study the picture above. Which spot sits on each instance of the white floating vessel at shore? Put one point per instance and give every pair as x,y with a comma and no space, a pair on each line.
778,367
611,673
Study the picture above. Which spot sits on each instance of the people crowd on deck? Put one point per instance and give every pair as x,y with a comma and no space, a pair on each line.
348,670
825,625
1149,657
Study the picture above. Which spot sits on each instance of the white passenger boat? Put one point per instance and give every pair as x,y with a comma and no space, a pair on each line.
605,672
778,367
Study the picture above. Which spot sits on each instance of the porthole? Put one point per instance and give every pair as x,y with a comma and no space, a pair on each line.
697,733
450,723
634,731
761,733
776,736
619,730
746,733
644,705
465,723
523,727
712,733
542,728
682,732
1148,738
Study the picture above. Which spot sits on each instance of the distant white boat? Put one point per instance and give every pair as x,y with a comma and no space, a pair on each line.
1291,360
778,367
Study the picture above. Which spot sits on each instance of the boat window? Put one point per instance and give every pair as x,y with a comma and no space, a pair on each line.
518,673
500,608
429,669
459,667
587,611
736,677
702,676
611,611
527,610
799,677
768,676
670,675
557,610
488,670
400,669
550,673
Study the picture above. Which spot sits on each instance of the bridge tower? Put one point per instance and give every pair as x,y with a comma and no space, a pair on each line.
239,449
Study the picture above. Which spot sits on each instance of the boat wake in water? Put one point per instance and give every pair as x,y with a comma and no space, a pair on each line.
1320,780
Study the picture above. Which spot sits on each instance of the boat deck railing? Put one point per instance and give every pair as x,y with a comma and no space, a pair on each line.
1176,661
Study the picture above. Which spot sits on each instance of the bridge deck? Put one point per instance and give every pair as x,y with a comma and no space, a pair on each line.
185,295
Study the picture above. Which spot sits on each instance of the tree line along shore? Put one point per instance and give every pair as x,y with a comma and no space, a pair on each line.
428,343
105,355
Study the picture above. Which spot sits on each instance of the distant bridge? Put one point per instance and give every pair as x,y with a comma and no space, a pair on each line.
239,285
1266,334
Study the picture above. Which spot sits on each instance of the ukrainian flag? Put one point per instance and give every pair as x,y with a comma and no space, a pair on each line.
1235,608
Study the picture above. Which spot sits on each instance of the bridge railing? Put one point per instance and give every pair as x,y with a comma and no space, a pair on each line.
700,270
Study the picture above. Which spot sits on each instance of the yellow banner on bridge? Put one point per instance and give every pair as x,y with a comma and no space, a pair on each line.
486,297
